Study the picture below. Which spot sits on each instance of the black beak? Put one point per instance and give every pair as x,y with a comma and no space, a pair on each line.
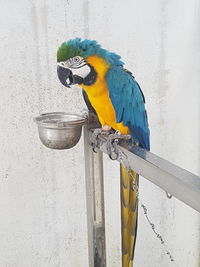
65,76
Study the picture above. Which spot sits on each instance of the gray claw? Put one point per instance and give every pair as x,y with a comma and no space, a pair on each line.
112,142
94,137
111,146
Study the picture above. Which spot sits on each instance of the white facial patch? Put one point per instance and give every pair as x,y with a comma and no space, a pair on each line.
82,71
77,65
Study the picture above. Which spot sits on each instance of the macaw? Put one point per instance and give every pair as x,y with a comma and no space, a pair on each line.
119,103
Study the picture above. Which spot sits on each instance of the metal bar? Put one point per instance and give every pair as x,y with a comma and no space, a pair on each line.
99,216
95,204
180,183
89,196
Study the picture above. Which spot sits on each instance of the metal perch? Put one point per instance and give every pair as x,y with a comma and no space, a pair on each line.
63,131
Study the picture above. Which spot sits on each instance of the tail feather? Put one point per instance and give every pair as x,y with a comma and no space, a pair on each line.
129,215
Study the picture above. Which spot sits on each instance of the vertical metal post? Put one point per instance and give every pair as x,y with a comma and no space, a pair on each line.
99,216
95,204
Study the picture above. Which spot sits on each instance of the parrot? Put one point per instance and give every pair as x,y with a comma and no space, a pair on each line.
114,95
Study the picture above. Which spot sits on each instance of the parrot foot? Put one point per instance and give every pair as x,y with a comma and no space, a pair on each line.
96,133
106,128
113,140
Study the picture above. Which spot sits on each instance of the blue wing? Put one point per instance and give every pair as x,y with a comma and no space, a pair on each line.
129,104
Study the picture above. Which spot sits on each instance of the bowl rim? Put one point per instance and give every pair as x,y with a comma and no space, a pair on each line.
78,120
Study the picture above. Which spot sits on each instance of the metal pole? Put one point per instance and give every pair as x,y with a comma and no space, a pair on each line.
180,183
99,217
95,204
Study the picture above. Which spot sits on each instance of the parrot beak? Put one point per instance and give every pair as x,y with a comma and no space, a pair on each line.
65,76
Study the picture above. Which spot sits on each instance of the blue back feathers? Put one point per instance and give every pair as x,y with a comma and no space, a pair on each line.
124,91
128,102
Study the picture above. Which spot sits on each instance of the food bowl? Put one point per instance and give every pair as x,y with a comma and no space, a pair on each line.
59,130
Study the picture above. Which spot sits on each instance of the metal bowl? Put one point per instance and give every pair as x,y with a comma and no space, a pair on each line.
59,130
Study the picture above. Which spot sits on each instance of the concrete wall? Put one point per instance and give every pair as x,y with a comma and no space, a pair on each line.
42,192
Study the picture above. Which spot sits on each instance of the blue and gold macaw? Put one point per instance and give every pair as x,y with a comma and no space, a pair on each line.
119,103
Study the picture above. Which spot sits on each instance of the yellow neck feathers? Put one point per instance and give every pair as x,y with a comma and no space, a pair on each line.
98,95
101,67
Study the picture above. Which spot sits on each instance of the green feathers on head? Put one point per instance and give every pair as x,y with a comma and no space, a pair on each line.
86,48
66,51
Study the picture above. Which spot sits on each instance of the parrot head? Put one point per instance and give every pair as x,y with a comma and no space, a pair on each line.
73,66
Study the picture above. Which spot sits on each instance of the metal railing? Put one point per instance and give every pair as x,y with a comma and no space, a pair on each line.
180,183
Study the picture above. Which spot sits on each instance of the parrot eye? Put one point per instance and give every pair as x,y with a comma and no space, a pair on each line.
76,59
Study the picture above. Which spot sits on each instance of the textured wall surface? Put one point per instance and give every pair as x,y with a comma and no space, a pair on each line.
42,192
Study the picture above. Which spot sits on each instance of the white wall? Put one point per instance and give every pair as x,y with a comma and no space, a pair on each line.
42,192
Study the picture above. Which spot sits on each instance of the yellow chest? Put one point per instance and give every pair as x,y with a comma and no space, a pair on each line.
99,96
